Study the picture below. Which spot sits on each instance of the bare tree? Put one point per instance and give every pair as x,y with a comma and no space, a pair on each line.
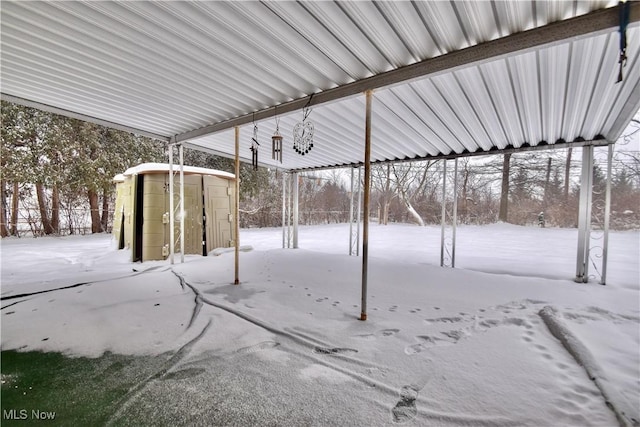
410,180
504,193
567,170
4,230
381,185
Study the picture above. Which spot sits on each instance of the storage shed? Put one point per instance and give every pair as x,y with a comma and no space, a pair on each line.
141,219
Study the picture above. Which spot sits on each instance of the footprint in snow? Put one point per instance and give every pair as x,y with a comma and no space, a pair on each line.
452,319
428,341
414,349
406,410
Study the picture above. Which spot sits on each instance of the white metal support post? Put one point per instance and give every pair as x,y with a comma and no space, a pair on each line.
236,210
607,214
172,241
448,242
354,213
295,191
351,217
584,215
367,189
443,222
284,207
182,209
289,179
455,212
359,210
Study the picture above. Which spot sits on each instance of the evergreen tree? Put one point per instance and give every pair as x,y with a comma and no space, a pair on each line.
63,158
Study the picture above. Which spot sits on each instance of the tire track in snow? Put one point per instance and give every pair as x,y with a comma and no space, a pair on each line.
13,303
294,337
134,392
198,298
403,415
62,288
331,352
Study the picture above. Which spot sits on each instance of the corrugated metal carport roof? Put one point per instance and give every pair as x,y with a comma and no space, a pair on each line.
452,77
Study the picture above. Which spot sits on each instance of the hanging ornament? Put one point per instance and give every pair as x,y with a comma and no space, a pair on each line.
254,147
276,143
623,16
303,132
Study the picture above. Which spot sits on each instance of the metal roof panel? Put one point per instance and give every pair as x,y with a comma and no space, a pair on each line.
168,68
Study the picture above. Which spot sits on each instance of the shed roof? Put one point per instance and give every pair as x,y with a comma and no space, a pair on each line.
147,168
451,77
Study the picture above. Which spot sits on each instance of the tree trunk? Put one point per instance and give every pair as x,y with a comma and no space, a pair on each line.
15,198
387,196
414,214
55,209
465,207
96,225
567,168
70,223
4,230
105,210
504,194
546,185
385,213
410,209
42,206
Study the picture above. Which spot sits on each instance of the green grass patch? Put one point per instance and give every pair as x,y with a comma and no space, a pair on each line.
52,388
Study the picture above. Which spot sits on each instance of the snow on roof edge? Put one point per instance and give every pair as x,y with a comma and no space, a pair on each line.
164,167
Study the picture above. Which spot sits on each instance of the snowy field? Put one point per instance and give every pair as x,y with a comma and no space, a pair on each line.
507,338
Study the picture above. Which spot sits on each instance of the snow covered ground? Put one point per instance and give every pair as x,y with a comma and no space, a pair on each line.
505,339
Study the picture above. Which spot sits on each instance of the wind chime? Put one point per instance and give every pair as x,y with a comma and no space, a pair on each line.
276,143
254,147
623,15
303,132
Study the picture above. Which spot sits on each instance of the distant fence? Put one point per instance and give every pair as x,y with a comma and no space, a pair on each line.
78,221
273,217
72,222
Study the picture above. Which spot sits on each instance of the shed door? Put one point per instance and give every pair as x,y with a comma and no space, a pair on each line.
192,211
118,214
129,214
218,199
